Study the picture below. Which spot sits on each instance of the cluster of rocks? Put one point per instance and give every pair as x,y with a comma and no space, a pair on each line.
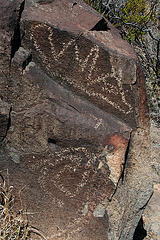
74,120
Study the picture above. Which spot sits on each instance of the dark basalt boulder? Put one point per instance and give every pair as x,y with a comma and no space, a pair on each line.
78,137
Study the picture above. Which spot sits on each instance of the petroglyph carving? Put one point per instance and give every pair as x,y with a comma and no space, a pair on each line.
99,122
87,65
68,166
70,162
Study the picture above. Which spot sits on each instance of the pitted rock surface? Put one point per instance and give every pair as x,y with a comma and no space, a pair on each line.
151,215
78,127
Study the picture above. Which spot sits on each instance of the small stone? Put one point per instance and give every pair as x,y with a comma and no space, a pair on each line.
15,157
99,211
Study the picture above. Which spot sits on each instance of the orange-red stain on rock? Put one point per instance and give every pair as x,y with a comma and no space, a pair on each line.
115,150
117,141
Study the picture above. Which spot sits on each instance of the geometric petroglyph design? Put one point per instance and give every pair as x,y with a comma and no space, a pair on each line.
87,67
69,171
69,164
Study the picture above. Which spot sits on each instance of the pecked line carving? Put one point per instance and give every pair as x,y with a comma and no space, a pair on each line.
87,66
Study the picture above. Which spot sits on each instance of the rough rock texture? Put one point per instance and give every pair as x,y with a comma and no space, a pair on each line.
78,138
151,215
4,119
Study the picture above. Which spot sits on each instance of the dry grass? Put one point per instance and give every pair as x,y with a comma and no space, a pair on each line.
13,225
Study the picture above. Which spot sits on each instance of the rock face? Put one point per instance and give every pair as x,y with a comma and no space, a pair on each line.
151,215
78,137
4,119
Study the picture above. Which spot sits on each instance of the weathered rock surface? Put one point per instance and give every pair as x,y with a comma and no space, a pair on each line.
4,119
151,215
79,133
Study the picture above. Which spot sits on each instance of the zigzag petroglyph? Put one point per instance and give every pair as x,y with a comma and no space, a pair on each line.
87,63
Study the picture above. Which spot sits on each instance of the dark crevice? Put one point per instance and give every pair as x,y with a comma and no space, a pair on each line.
43,2
74,4
140,233
16,40
9,123
125,161
122,174
26,62
68,142
147,201
101,26
110,197
74,108
53,141
2,177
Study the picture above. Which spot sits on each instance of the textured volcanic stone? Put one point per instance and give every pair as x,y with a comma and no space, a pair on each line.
79,121
4,119
96,65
